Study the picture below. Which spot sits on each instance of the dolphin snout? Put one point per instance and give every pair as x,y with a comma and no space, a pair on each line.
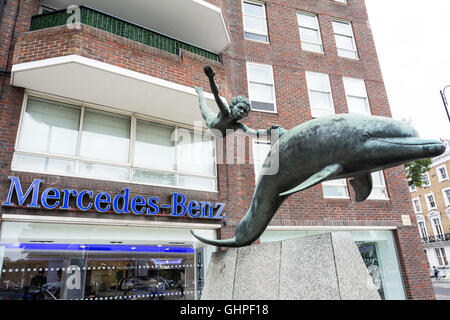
434,150
426,147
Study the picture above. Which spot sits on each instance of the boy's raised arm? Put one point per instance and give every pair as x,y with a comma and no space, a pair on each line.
215,90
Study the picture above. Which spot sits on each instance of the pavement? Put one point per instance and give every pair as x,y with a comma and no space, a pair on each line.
442,288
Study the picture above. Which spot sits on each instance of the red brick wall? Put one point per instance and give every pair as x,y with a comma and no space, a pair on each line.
236,182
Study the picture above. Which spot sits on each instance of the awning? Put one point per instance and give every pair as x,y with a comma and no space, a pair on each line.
193,21
94,82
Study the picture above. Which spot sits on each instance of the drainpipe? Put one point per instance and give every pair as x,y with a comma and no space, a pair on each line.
2,5
7,72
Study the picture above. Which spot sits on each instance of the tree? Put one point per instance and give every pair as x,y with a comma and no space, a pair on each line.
415,171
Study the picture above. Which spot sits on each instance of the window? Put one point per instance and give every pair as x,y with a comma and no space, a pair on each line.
441,256
446,193
426,180
379,191
357,100
59,138
345,41
412,188
255,22
442,173
260,151
431,203
308,25
416,205
436,223
320,97
335,189
422,230
261,89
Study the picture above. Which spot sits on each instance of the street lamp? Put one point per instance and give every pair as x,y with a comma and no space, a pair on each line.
444,99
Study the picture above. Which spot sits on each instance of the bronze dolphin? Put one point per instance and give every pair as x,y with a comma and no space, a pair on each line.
328,148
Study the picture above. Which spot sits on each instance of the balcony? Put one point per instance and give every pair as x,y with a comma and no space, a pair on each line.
195,22
437,238
111,24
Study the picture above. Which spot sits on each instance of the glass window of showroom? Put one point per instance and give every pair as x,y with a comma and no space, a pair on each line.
84,141
49,261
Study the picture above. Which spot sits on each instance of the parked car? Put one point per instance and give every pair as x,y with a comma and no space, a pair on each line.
143,285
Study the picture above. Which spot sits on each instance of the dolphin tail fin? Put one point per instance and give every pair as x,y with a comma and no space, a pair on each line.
317,178
363,187
228,243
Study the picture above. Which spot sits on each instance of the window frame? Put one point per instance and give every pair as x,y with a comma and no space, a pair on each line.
255,31
422,222
441,256
434,217
382,186
331,98
333,183
316,16
365,97
446,199
428,179
428,201
132,141
254,143
344,35
414,206
439,175
270,67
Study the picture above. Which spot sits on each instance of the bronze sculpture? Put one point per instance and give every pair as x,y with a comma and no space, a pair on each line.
229,116
328,148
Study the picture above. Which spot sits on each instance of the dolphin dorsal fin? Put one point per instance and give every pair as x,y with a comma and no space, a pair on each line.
317,178
362,186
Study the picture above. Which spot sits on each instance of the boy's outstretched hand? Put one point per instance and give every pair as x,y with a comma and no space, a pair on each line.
209,71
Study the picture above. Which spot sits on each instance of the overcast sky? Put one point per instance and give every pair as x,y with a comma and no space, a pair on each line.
412,38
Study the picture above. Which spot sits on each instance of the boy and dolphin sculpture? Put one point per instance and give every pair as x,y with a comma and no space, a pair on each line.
328,148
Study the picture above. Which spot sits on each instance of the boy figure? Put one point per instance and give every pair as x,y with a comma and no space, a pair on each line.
228,116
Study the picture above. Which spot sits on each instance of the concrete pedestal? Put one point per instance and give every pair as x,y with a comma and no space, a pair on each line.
322,267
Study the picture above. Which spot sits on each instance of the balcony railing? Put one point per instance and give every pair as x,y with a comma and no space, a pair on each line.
105,22
439,237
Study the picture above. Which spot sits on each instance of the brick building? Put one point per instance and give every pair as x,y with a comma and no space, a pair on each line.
91,118
431,205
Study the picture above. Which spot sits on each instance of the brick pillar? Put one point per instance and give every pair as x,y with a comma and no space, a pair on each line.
413,264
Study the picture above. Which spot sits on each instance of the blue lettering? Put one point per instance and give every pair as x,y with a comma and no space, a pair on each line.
80,200
204,205
193,205
176,203
219,211
99,201
66,195
15,184
138,201
125,198
46,196
154,208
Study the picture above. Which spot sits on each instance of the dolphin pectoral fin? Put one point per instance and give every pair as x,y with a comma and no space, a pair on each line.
362,186
317,178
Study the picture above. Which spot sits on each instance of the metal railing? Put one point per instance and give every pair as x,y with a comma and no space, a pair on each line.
439,237
114,25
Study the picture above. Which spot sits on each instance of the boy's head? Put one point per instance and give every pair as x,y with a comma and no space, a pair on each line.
239,107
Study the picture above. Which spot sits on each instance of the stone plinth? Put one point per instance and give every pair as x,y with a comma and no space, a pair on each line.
322,267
